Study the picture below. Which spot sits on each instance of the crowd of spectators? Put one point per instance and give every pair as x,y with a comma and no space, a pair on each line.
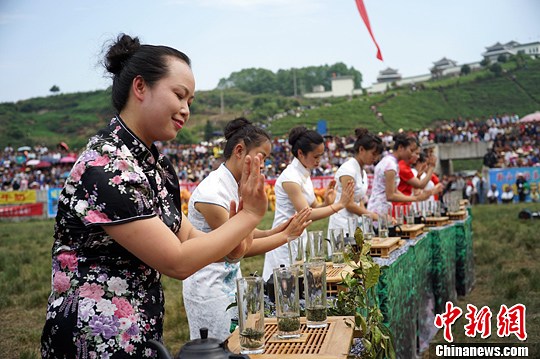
514,145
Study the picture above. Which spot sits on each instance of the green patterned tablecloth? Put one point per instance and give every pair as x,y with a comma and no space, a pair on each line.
425,298
419,278
464,257
443,250
397,300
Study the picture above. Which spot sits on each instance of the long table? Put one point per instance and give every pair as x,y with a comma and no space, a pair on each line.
419,278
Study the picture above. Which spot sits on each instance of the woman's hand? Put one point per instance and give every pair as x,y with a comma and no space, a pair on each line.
437,189
374,216
330,193
252,187
422,196
298,222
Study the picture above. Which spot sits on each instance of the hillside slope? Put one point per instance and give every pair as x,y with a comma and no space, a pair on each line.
72,118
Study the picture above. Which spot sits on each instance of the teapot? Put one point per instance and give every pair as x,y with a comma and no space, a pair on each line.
394,231
204,348
419,219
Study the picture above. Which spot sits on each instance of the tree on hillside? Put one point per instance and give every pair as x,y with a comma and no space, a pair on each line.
465,70
484,63
520,59
254,81
497,69
258,81
208,131
502,58
54,89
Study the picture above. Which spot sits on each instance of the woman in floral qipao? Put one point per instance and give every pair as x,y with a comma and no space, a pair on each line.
119,224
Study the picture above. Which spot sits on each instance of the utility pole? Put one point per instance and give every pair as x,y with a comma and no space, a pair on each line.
294,81
222,109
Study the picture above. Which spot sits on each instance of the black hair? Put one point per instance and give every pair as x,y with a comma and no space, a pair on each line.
300,138
127,58
422,157
241,129
403,140
367,141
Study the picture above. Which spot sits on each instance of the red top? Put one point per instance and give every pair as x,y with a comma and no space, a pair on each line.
435,181
405,174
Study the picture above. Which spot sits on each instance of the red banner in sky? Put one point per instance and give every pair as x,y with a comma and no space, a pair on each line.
364,15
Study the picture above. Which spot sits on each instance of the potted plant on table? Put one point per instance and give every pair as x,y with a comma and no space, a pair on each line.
358,298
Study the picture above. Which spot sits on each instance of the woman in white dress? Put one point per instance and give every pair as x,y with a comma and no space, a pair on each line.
367,148
208,292
386,178
294,191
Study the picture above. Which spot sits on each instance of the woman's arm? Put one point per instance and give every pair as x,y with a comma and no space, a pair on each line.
214,214
298,200
353,207
421,183
393,195
294,228
151,240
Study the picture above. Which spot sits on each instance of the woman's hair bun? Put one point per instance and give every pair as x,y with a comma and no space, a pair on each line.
361,132
234,126
121,51
296,133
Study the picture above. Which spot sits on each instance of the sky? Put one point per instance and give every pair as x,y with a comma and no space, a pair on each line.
61,42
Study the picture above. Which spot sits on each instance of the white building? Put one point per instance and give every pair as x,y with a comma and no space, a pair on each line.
531,49
344,85
493,52
388,75
341,86
445,67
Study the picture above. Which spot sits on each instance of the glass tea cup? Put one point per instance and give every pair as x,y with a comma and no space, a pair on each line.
315,247
251,314
383,226
367,227
409,215
287,302
337,239
315,294
400,215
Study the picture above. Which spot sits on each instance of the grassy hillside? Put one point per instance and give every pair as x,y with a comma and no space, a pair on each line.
74,117
479,94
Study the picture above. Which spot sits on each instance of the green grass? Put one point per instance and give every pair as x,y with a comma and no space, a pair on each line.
506,262
507,271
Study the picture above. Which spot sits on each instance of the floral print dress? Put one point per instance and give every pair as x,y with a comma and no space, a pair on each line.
105,302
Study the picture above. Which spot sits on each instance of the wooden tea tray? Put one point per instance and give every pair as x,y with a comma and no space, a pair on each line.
334,276
331,342
457,216
409,231
437,221
383,247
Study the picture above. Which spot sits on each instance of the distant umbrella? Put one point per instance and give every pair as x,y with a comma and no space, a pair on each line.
43,164
532,117
68,159
24,148
32,162
64,146
50,159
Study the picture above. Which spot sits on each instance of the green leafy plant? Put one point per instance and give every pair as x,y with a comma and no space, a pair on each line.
358,299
